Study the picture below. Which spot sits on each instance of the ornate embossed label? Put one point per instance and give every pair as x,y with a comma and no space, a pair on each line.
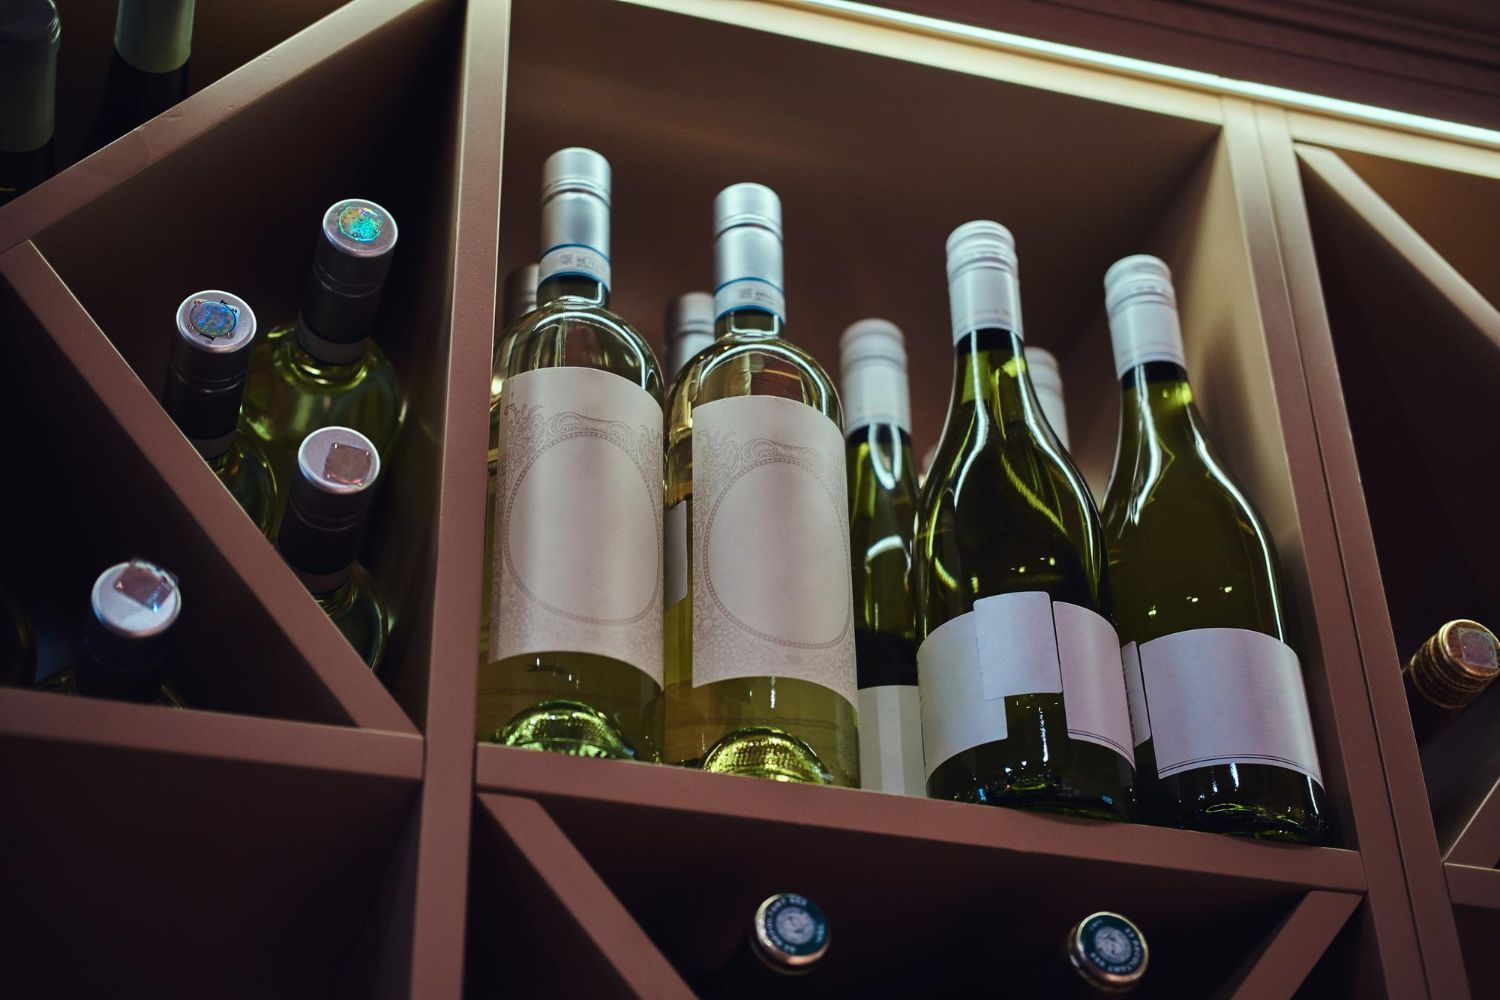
771,592
578,519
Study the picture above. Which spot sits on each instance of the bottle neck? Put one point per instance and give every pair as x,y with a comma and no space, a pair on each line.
1158,404
574,289
122,668
990,376
749,324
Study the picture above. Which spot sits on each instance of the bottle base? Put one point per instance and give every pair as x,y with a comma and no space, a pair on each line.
766,752
1045,793
566,727
1254,822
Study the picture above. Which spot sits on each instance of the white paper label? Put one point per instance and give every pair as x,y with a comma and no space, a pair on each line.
1221,696
676,524
890,740
1014,644
578,519
771,592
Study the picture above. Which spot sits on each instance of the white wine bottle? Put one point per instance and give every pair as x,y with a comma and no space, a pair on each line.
760,630
324,527
520,292
574,659
325,370
1222,732
149,70
1046,378
690,328
29,35
132,609
1023,695
882,512
205,384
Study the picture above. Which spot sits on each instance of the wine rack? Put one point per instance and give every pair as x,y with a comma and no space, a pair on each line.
307,830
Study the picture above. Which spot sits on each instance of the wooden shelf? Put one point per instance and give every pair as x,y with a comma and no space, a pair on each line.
309,828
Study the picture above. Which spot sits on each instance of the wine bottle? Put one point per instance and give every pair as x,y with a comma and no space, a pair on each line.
325,369
30,33
133,608
148,72
205,383
1046,378
574,663
324,526
1223,737
690,328
1104,954
787,938
882,511
760,632
1023,697
1447,673
17,644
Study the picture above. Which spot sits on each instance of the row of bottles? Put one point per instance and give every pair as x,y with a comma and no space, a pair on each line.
148,74
1134,663
788,939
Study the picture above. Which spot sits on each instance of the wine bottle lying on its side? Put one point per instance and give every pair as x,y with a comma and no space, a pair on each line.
132,609
1447,673
779,956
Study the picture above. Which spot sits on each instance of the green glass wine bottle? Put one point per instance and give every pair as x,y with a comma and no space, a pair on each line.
133,607
324,527
1224,741
148,71
1447,673
779,956
29,36
17,643
1023,696
689,327
882,513
205,384
325,369
760,633
574,646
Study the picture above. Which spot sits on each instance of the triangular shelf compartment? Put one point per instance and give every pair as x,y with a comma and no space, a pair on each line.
166,854
237,206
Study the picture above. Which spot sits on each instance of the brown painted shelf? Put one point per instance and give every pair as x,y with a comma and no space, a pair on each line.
309,829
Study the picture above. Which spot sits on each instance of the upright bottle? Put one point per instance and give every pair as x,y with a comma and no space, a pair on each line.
760,627
574,662
149,70
1046,378
324,526
325,369
29,36
1023,698
520,299
133,607
1448,672
205,383
882,512
690,328
17,644
1223,737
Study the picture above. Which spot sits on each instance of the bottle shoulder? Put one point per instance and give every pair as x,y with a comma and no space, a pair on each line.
762,366
567,334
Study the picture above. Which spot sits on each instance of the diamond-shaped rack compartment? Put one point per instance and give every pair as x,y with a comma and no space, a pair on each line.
401,98
1401,343
858,131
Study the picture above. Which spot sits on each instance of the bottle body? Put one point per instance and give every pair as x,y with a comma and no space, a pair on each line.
1008,528
66,681
792,728
17,644
579,701
1223,736
289,394
246,473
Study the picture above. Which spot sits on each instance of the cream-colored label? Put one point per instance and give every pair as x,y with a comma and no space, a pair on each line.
771,594
1221,696
890,740
578,519
1015,644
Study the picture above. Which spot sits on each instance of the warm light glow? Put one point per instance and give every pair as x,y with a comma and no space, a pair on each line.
1160,71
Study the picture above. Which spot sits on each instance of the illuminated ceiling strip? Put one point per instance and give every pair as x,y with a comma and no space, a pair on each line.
1159,71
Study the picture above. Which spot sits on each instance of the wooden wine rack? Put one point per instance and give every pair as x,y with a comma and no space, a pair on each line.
306,831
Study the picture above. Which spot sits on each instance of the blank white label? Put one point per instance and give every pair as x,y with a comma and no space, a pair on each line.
890,740
1223,696
1015,644
771,593
578,519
